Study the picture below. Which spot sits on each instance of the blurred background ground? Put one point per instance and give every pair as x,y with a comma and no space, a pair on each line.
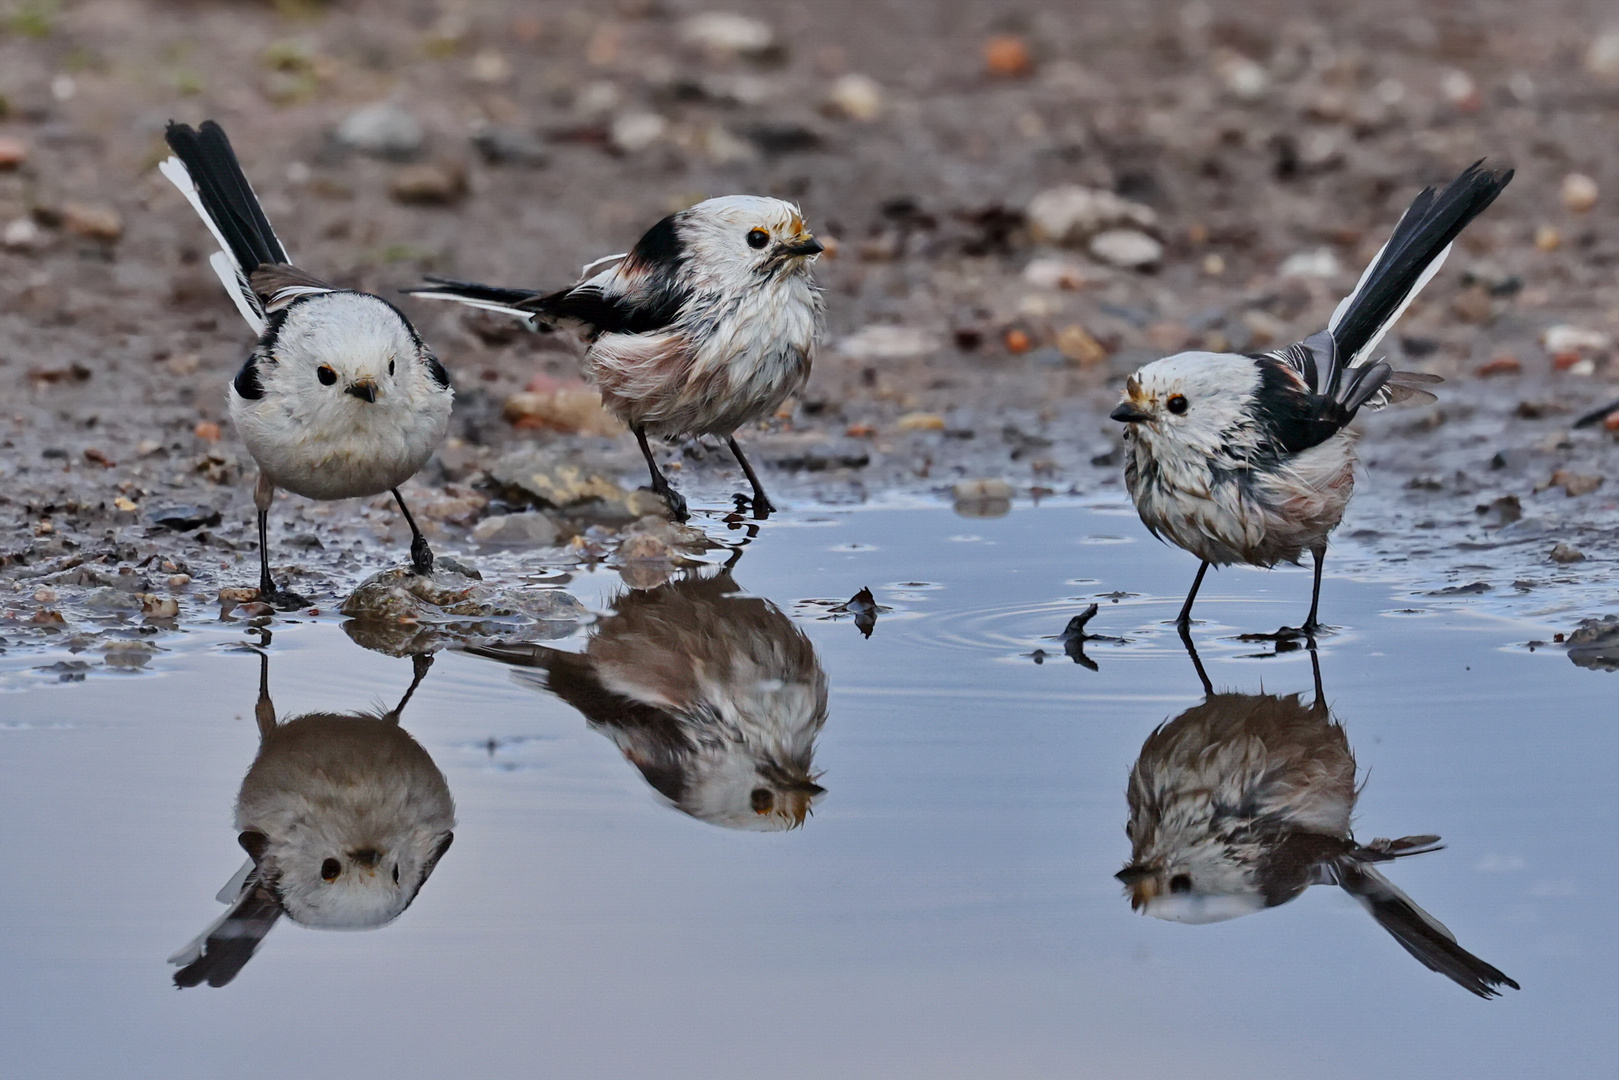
1023,203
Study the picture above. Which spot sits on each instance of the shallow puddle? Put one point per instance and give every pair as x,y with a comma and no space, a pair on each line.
856,856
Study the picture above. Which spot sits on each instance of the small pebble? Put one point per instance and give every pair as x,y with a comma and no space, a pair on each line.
1565,554
1007,56
855,97
1579,192
920,421
13,152
97,221
179,581
1126,248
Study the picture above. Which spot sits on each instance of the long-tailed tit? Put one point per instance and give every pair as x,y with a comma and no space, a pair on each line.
1247,458
715,697
340,398
343,817
1242,802
707,324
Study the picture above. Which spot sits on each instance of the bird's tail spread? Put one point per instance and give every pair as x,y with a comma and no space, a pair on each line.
1422,935
207,173
489,297
1410,259
217,954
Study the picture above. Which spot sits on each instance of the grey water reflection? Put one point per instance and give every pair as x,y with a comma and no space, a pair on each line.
343,817
716,697
1244,801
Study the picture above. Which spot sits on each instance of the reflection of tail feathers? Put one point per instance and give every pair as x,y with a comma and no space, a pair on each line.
1422,935
220,952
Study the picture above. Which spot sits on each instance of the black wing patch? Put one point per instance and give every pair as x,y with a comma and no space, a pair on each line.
1292,418
652,296
247,380
436,369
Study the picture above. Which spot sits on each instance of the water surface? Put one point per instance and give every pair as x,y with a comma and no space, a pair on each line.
615,904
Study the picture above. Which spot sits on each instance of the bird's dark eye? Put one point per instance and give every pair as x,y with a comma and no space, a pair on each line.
331,867
1180,882
758,238
396,873
390,366
762,799
1177,404
327,377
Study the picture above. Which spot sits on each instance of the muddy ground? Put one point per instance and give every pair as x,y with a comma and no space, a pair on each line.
1259,153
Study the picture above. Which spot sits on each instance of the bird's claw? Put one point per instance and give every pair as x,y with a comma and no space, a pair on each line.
421,557
676,501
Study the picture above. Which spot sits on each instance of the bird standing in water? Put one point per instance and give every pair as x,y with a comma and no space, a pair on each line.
340,398
707,324
1246,458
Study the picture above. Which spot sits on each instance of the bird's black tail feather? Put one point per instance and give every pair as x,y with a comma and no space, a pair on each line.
490,297
227,198
1405,264
225,948
1422,935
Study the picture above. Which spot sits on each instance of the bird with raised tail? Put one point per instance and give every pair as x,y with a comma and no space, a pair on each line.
1244,801
1247,458
340,398
706,325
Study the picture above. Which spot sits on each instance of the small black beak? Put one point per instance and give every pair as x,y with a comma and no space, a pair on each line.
364,391
807,246
1132,874
1127,413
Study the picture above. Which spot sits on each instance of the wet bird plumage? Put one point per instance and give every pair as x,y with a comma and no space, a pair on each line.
1247,458
693,331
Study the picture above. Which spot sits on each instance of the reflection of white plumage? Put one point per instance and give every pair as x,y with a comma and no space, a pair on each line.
343,817
1244,801
716,698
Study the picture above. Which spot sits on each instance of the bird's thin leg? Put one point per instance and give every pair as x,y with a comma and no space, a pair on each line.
1184,619
1315,669
762,506
421,556
420,663
286,600
660,483
1191,650
1311,625
264,708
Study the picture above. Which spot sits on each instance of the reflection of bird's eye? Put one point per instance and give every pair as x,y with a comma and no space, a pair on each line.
1180,883
396,873
330,869
763,799
758,238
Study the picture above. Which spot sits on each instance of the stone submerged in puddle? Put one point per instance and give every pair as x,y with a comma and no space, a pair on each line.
448,595
1595,644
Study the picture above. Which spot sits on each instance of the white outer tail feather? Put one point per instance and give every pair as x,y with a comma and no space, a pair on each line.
1348,302
224,263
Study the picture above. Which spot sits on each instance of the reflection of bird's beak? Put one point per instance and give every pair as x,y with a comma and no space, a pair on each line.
1141,882
367,857
365,389
804,245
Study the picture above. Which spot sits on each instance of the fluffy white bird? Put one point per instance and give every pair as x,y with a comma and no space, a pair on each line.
714,696
1242,802
1247,458
707,324
340,398
343,817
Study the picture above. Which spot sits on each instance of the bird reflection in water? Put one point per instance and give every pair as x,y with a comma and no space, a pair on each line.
715,697
1242,802
343,817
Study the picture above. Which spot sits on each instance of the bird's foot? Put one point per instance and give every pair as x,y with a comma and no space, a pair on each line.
284,599
1307,632
676,501
421,556
760,504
